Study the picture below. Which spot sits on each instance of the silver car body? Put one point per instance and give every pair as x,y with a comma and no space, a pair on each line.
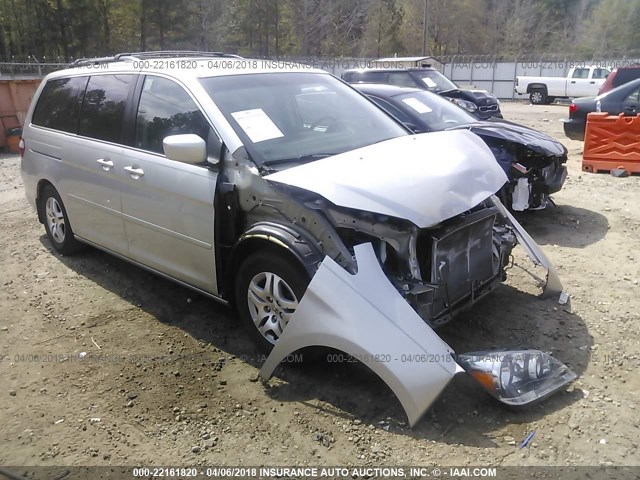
161,215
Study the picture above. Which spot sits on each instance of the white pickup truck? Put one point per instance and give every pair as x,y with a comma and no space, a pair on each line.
581,82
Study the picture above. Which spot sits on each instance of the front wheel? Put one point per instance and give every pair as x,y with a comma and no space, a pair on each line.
56,222
269,286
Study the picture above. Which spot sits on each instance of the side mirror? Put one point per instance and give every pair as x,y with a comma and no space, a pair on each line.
187,148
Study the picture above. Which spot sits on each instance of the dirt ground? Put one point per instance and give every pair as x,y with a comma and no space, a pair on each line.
106,364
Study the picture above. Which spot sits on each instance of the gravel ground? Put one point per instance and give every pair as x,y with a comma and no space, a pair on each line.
105,364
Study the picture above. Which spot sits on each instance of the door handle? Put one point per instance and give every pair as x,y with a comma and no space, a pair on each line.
106,164
593,81
134,172
573,81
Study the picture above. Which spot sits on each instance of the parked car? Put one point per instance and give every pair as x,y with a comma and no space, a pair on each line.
580,82
623,99
533,161
479,103
620,76
289,194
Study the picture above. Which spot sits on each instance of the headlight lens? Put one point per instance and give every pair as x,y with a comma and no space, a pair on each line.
472,107
517,377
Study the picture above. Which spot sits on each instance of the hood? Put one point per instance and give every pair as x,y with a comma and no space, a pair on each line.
425,178
480,94
537,141
482,98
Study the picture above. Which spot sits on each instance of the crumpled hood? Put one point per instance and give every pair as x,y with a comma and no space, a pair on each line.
425,178
537,141
481,94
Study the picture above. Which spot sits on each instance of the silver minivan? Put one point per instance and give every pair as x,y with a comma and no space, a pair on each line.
280,189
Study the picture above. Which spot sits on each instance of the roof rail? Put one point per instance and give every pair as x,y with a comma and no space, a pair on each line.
176,53
120,57
82,62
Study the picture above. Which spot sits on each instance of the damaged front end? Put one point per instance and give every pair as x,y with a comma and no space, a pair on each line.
363,315
534,163
413,268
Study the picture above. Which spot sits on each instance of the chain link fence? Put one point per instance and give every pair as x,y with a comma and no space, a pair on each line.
494,73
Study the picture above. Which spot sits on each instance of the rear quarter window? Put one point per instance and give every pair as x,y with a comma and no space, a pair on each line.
626,75
59,104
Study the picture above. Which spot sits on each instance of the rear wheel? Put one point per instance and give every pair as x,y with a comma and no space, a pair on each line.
538,96
269,286
56,222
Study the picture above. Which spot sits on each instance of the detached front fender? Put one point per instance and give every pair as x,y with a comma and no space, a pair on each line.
364,316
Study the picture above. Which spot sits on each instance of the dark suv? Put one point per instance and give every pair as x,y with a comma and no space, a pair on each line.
479,103
620,76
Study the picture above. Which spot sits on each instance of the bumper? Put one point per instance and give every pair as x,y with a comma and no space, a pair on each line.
574,130
487,115
364,316
554,183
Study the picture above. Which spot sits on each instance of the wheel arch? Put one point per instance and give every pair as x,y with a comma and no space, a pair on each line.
269,236
42,184
537,86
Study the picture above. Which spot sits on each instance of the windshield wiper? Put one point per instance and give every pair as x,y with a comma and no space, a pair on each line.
301,158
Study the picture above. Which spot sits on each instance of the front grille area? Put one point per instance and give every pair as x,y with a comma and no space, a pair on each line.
459,262
489,108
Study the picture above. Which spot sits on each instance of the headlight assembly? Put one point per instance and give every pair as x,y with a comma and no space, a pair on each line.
517,377
470,106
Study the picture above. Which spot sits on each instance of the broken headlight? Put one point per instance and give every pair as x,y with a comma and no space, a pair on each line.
467,105
517,377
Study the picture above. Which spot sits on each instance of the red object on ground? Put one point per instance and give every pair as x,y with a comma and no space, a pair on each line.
12,142
610,142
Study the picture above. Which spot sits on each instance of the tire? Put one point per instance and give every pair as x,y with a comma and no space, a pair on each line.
538,96
269,285
56,222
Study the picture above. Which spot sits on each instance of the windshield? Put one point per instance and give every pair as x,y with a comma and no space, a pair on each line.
436,82
435,112
294,117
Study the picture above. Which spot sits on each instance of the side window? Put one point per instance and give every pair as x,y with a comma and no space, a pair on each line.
600,73
59,104
580,73
401,79
632,99
166,109
103,107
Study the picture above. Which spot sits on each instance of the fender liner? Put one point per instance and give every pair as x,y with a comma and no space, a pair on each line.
363,315
296,242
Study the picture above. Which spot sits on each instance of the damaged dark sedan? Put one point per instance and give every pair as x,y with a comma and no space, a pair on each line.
533,161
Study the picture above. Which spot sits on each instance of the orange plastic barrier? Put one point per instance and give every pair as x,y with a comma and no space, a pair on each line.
610,142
